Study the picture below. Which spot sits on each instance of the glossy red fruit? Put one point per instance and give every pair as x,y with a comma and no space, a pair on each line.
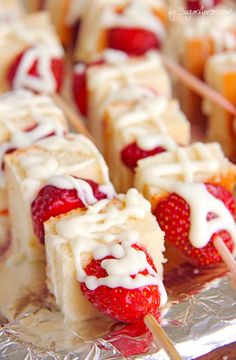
133,41
196,5
130,339
173,215
57,67
53,201
119,303
79,86
132,153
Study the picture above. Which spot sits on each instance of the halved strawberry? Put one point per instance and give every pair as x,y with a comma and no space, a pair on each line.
133,41
79,86
132,153
173,215
53,201
195,5
119,303
57,67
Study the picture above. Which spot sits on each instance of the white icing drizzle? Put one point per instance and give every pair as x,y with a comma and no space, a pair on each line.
89,233
201,203
149,142
138,13
39,167
45,82
183,166
132,92
83,188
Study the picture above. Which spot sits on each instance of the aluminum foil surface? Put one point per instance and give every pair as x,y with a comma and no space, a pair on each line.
199,317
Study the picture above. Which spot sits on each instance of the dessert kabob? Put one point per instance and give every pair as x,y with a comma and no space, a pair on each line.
46,181
24,119
31,55
190,190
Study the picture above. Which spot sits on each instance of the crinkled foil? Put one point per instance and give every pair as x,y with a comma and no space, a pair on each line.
200,316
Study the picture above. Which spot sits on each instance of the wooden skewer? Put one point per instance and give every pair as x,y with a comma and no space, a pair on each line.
161,338
226,255
72,116
199,86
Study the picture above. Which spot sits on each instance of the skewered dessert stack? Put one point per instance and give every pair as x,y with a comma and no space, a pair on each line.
104,251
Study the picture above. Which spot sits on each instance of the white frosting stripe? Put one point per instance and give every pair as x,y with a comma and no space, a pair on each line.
201,203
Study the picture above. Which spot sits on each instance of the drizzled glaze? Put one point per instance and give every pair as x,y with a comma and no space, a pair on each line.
40,166
91,233
135,124
45,81
181,165
83,188
201,203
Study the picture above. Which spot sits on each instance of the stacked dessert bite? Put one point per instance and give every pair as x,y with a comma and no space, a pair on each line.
190,190
31,55
24,119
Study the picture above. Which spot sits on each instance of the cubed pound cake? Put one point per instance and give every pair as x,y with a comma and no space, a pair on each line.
137,130
198,162
120,25
111,83
220,74
31,169
24,42
106,228
24,119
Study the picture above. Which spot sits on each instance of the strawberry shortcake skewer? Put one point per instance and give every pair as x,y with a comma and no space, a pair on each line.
190,192
51,177
98,260
135,131
132,26
24,119
220,74
32,56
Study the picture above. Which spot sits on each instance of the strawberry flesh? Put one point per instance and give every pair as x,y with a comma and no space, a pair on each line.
173,215
57,68
132,153
122,304
53,201
79,86
133,41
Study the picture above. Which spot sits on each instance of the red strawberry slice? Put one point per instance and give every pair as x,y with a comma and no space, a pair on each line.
53,201
132,153
119,303
79,86
173,216
57,68
196,5
133,41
